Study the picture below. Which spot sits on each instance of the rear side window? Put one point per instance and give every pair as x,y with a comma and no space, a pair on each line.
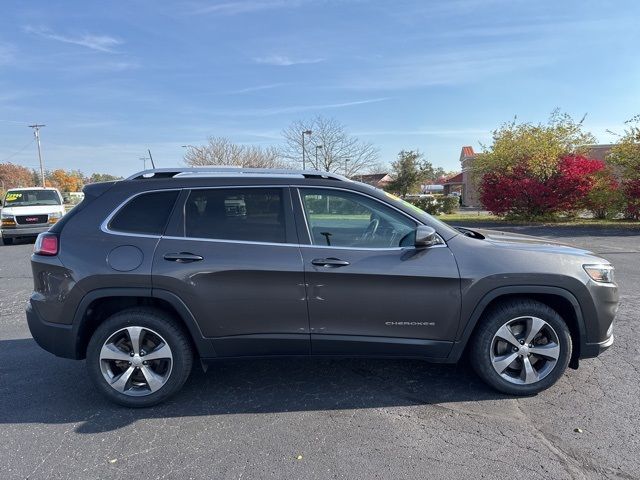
146,214
243,214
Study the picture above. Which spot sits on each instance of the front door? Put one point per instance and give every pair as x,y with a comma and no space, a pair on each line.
369,290
234,261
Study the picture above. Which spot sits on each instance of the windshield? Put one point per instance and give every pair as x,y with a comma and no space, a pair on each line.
23,198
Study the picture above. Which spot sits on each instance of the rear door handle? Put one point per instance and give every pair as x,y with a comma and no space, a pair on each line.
329,262
182,257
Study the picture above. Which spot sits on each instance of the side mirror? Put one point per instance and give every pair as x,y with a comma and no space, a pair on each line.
425,237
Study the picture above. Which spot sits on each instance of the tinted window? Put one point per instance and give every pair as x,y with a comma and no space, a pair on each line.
23,198
343,219
250,214
147,213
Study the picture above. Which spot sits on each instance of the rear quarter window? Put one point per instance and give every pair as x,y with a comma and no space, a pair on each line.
147,213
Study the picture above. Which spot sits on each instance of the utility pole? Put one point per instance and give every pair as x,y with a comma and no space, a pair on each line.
346,169
36,132
144,160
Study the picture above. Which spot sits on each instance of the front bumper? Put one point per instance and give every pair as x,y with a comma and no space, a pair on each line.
24,231
590,350
56,338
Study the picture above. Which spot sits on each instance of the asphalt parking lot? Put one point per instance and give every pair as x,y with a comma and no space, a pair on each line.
302,419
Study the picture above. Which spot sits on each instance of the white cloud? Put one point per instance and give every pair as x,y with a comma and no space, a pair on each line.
246,6
7,54
453,68
257,88
100,43
286,61
262,112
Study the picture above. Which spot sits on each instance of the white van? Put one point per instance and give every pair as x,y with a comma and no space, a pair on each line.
27,212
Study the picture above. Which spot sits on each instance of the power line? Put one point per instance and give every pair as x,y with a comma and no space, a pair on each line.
18,152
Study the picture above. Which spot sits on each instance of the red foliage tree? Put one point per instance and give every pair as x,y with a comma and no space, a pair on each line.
520,193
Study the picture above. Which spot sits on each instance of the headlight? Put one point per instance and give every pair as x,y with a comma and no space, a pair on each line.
600,272
7,220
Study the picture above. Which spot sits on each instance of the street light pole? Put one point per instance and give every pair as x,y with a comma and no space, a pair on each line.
305,132
36,133
318,147
346,170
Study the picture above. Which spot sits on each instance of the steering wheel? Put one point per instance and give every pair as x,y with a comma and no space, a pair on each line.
371,230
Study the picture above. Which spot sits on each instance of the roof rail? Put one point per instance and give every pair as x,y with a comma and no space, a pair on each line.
231,172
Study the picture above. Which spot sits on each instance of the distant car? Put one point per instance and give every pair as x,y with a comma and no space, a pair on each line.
170,266
27,212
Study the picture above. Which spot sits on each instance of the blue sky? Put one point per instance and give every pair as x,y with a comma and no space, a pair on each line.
113,78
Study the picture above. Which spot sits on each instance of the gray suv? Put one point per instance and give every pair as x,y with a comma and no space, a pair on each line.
172,265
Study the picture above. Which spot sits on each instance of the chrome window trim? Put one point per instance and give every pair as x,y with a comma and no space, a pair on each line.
442,243
104,226
297,245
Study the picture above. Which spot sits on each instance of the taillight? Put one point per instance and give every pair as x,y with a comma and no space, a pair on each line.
46,244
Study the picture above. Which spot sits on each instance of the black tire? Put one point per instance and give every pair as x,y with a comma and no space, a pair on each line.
7,241
483,345
158,322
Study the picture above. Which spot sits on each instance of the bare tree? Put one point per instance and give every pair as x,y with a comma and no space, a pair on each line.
336,151
222,151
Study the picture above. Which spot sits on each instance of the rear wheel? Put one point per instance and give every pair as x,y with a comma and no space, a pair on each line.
139,357
521,347
7,241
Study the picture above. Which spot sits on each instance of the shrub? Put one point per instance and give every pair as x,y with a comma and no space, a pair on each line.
606,199
631,189
448,204
519,193
435,204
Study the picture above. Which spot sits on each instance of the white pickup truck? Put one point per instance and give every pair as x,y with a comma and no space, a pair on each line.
27,212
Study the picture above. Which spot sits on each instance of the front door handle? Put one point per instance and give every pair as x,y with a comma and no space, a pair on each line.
329,262
182,257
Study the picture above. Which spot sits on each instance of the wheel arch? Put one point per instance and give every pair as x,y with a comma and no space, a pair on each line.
561,300
98,305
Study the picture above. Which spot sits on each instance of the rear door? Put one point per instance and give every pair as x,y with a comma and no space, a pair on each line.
370,291
233,258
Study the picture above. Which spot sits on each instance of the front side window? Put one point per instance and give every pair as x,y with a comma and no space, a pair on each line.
145,214
29,198
243,214
343,219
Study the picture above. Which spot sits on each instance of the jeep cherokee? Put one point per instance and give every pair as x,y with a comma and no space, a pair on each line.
149,273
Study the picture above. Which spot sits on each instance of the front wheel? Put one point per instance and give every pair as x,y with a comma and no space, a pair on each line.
521,347
139,357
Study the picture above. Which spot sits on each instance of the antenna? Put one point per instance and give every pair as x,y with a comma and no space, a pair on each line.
153,165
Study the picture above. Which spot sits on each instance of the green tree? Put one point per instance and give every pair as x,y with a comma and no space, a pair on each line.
626,153
101,177
538,147
409,171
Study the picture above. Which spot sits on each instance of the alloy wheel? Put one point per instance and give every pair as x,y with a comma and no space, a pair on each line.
525,350
136,361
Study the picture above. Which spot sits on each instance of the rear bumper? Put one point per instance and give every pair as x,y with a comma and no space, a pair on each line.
24,231
56,338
